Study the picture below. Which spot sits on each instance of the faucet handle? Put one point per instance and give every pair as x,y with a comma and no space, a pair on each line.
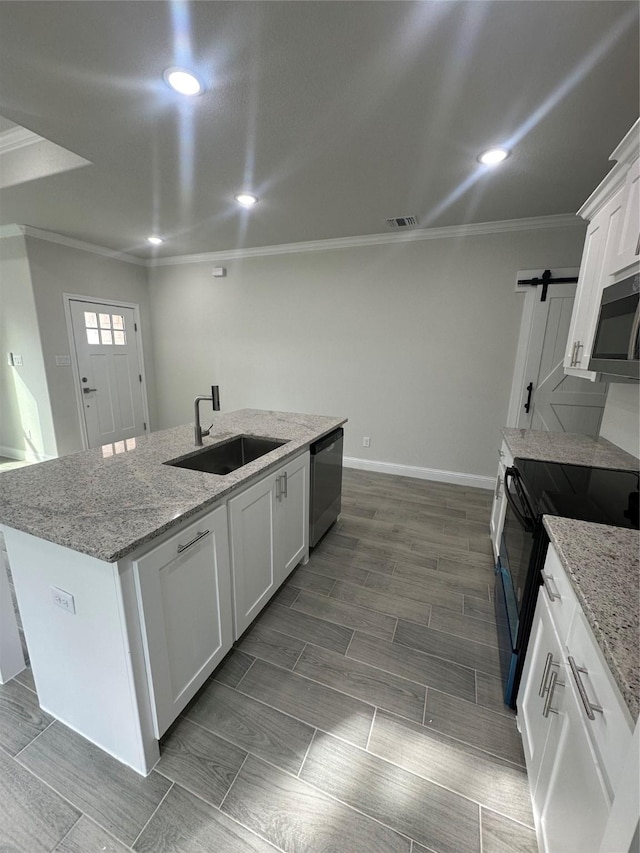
215,397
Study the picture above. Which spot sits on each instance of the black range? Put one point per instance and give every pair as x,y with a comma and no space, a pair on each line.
533,489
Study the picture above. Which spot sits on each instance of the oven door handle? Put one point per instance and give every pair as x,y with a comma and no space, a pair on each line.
633,340
524,520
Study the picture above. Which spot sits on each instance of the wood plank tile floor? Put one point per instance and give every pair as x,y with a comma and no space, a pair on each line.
361,712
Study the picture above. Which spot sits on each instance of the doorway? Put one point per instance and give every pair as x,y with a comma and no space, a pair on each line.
543,397
107,354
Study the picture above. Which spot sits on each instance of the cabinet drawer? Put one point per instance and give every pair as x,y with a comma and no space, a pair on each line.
559,593
611,729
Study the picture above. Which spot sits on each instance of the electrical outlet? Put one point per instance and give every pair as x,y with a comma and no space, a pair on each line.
17,360
366,441
63,599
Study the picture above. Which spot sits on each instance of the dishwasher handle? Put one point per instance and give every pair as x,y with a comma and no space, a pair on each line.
326,442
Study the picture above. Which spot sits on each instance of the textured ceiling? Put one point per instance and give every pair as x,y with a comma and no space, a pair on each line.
337,114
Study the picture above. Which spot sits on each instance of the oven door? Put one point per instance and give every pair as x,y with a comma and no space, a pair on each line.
517,546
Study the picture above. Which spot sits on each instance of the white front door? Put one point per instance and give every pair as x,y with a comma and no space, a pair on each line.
109,371
557,402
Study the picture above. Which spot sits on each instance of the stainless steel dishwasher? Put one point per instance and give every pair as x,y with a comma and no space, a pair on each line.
326,484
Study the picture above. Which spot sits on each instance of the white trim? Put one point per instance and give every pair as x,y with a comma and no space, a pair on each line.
70,242
76,297
561,220
558,221
23,455
457,478
11,231
18,137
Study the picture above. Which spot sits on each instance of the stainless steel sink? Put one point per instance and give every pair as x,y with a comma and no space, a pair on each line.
229,455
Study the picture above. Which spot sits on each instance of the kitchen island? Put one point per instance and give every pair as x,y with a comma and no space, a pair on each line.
134,576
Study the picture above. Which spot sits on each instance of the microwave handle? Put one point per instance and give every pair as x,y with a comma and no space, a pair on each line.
632,354
525,521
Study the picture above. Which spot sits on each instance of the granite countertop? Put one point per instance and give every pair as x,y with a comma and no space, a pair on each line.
603,565
109,501
569,448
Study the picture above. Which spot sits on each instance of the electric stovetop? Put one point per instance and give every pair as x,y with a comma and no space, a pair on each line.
602,495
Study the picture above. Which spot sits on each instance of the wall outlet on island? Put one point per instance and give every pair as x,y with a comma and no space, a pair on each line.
63,599
366,441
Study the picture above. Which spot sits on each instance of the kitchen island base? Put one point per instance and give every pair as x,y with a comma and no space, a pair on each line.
88,665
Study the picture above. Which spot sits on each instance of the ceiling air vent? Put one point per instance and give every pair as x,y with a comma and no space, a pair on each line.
402,221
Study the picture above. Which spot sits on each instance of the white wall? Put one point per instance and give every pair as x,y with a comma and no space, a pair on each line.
413,342
621,418
26,425
57,269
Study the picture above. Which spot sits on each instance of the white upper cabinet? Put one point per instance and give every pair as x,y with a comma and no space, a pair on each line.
610,250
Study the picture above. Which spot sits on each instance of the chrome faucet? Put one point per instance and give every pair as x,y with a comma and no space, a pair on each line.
215,400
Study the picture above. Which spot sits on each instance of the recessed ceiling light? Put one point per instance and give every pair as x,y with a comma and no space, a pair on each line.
184,82
155,241
493,156
246,199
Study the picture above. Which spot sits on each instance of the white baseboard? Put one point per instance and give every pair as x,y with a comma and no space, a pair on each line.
457,478
23,455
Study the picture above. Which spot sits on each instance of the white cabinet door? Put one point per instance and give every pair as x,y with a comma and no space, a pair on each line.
253,550
598,263
541,692
629,246
574,805
499,506
292,516
184,594
498,510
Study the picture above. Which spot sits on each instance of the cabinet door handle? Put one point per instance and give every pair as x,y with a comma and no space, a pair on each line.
546,580
579,346
545,673
284,486
573,354
552,686
200,534
278,487
589,707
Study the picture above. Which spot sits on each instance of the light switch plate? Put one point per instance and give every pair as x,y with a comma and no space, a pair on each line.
17,360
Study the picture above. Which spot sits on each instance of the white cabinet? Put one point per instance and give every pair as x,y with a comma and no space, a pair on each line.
184,596
629,245
600,251
576,729
269,535
499,505
611,246
293,515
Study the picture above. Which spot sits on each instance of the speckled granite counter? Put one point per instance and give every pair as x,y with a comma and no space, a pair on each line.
569,448
603,565
107,503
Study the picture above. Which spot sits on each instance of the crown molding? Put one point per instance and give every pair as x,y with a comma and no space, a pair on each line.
563,220
18,137
70,242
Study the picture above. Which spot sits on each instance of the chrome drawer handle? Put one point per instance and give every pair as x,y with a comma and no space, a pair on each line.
589,707
552,686
546,580
284,484
545,673
278,487
199,535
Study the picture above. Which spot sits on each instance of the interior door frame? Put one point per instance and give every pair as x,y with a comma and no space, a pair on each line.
67,298
531,296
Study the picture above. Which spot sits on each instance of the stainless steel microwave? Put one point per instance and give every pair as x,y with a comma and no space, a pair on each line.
616,348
